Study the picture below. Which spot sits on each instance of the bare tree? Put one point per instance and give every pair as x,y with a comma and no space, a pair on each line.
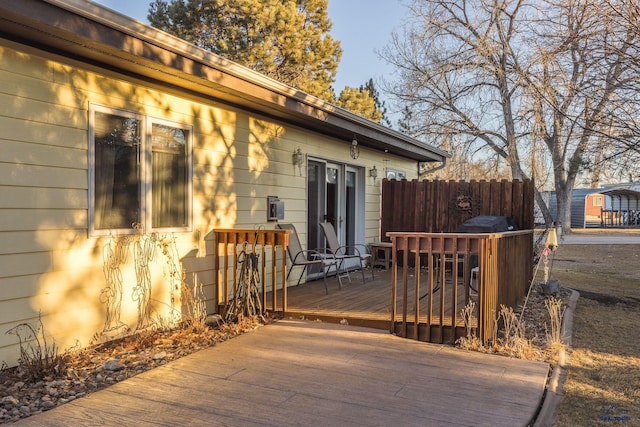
513,77
578,78
624,156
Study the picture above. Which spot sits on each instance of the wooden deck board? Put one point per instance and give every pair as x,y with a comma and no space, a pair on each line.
292,373
370,300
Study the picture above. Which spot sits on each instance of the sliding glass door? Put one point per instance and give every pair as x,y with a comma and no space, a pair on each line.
335,196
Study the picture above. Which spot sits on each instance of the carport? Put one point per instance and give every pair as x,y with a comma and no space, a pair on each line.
614,206
622,208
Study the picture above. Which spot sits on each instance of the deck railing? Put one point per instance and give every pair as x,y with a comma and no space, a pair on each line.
270,244
445,271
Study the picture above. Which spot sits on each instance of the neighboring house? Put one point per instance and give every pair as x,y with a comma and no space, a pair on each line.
107,125
611,206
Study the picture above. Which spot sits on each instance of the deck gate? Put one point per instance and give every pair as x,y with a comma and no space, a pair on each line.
449,271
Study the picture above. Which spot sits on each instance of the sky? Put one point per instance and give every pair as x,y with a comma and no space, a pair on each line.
361,26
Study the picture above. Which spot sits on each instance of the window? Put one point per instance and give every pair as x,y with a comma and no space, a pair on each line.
597,200
140,172
396,174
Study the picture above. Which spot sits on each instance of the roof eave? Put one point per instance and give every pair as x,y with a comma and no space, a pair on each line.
124,44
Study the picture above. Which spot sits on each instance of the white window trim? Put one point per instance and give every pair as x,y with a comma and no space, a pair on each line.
145,172
147,213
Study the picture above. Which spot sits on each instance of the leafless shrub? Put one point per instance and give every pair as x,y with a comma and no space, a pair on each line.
511,340
38,358
195,311
514,341
471,340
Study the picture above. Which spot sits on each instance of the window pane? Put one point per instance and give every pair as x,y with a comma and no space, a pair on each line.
117,171
169,176
395,174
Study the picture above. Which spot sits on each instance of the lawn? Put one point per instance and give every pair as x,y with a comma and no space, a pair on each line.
603,381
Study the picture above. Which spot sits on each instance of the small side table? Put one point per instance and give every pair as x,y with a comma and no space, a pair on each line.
381,252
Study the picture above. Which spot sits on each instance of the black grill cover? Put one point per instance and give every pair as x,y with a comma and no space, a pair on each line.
487,224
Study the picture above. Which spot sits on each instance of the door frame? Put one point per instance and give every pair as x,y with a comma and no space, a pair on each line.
317,200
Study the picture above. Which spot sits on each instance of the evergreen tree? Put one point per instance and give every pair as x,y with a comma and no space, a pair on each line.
364,101
405,123
287,40
360,102
379,104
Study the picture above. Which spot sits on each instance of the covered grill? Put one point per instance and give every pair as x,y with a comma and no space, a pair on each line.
487,224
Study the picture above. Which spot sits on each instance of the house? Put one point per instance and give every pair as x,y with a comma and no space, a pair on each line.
610,206
123,148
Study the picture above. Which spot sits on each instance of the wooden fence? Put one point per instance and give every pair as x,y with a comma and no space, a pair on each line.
442,206
428,301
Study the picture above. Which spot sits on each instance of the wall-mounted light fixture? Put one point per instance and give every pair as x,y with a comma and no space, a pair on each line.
373,173
355,150
298,159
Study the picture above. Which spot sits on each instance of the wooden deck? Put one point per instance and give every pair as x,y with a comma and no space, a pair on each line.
295,373
368,304
429,302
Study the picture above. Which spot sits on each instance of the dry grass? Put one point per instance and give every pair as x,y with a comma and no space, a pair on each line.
603,380
38,356
556,311
532,335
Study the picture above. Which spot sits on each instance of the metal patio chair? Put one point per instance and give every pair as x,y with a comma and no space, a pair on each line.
305,258
343,253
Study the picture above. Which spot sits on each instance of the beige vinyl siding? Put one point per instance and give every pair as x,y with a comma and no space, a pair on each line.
16,129
42,198
42,219
14,265
44,155
29,175
13,311
20,287
28,241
